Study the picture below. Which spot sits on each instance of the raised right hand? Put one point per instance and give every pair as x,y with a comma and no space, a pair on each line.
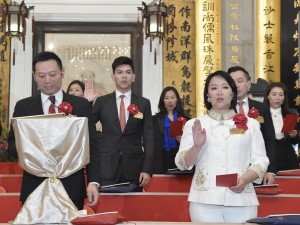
199,134
89,91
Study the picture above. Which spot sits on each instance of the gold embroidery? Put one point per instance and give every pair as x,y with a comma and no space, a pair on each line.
200,179
181,160
257,168
219,117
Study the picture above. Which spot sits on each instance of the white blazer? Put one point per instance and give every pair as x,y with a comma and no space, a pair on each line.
224,153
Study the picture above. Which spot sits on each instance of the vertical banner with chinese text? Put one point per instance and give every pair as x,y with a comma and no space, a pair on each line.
238,35
4,75
179,53
268,39
290,50
208,45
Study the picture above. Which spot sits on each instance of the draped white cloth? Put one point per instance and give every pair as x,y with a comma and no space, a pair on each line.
53,148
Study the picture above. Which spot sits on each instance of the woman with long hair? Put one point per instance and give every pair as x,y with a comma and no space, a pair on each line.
276,97
169,109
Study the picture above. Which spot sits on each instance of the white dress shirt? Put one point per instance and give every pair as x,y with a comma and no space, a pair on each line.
46,101
277,122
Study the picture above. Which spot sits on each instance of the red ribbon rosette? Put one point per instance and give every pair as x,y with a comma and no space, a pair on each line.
181,119
134,111
240,121
3,146
66,108
253,113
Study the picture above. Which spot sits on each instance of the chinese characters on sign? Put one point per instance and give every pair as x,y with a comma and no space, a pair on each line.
268,40
4,77
235,33
296,100
3,42
208,45
179,54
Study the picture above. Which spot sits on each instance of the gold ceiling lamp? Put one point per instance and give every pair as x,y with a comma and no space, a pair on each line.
13,23
154,22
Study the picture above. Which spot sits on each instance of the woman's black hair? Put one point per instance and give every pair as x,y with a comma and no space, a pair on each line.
81,84
161,105
284,106
231,83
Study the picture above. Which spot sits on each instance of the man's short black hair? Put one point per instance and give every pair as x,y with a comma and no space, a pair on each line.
239,68
122,60
45,56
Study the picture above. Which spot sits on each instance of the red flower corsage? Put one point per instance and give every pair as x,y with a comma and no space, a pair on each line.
66,108
134,111
181,119
240,121
253,113
3,146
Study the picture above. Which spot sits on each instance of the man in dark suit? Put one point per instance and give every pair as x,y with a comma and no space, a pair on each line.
243,83
126,154
48,73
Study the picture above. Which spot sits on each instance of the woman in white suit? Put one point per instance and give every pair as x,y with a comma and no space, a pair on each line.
222,142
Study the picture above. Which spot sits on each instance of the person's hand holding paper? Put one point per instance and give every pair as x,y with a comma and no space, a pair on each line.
226,180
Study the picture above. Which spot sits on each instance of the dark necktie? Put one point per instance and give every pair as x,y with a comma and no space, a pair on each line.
241,110
122,113
51,107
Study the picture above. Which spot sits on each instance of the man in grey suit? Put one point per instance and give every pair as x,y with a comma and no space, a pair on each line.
242,80
48,73
126,153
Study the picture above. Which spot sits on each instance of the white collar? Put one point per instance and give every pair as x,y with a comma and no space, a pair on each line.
58,96
276,111
245,100
127,94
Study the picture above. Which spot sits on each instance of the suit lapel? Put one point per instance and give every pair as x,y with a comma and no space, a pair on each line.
161,124
37,101
250,103
113,107
134,100
65,97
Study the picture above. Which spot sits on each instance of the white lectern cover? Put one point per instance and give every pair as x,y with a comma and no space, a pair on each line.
53,148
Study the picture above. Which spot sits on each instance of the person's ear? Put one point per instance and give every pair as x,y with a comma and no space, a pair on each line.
63,72
34,77
249,84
